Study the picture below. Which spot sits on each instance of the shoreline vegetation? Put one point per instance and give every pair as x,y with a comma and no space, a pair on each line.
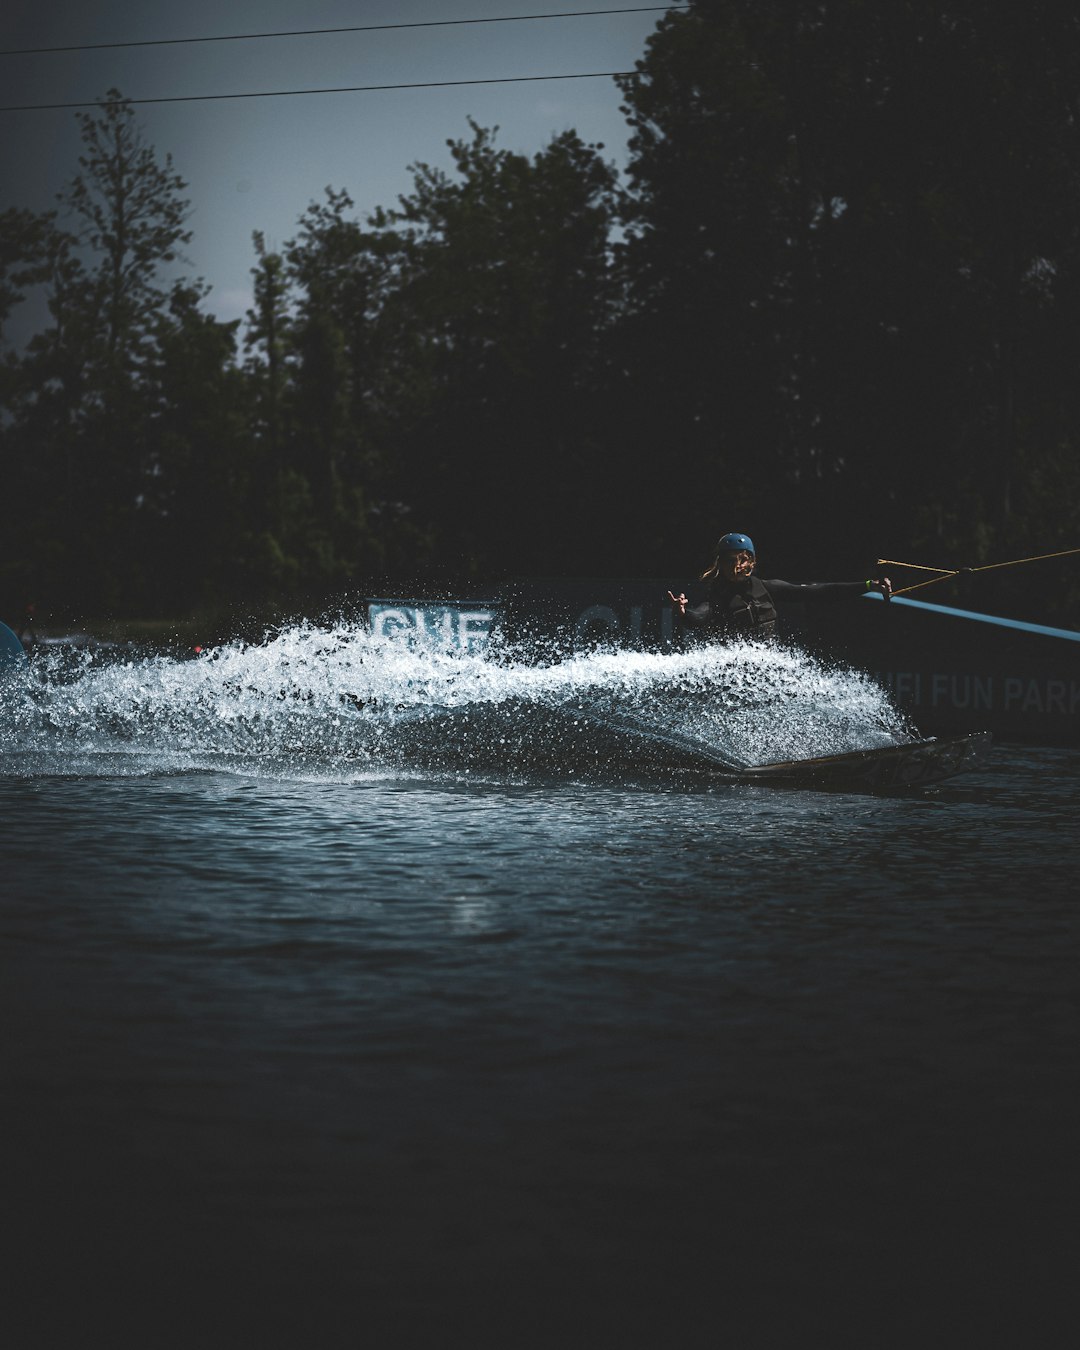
832,300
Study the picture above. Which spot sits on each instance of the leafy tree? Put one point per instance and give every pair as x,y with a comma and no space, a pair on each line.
101,398
704,232
27,242
106,300
129,211
336,270
268,335
41,392
193,525
502,298
851,237
298,374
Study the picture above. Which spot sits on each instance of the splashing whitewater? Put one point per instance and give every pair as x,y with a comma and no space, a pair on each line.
342,696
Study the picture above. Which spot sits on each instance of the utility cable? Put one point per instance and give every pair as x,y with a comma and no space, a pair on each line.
315,32
287,93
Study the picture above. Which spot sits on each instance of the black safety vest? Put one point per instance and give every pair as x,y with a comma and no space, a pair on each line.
745,609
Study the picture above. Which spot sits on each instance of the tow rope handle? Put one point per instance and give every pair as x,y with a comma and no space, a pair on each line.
943,573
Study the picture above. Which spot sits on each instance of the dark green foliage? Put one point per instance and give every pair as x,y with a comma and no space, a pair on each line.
855,224
128,210
498,317
81,406
193,517
835,302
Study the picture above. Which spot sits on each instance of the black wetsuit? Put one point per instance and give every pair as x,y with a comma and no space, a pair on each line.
747,608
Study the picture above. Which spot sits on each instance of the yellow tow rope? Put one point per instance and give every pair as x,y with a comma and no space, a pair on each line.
945,572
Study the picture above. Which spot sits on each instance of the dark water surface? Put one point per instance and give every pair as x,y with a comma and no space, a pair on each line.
351,1057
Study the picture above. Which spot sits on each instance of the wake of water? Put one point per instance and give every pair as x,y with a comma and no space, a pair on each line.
341,696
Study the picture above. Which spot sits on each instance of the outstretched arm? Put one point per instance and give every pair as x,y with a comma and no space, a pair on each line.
785,592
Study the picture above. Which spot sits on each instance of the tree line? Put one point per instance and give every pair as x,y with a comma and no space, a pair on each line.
833,300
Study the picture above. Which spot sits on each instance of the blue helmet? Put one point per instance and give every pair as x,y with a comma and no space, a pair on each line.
735,543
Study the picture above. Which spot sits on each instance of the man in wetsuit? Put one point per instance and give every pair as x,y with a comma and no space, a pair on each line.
740,605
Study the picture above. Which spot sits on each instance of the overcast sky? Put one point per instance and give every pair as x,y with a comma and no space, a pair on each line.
256,163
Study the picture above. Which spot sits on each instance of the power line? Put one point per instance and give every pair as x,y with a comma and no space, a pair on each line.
314,32
344,89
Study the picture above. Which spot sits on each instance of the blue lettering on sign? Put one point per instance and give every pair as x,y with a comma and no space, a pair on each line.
445,627
985,693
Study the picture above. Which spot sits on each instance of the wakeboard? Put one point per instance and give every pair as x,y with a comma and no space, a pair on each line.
888,769
595,736
883,769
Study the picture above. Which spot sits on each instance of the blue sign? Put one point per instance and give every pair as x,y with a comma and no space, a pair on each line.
464,627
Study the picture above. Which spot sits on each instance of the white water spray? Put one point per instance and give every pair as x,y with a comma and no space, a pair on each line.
340,695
